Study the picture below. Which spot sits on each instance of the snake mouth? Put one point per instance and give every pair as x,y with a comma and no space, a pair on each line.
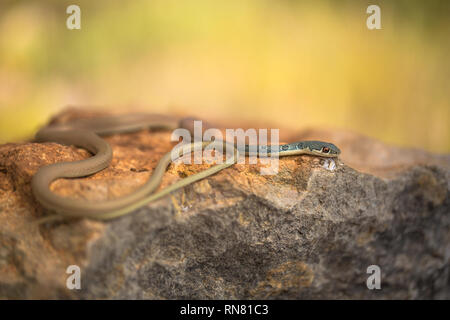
324,155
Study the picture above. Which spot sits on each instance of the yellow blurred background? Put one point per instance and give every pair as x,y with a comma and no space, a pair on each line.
295,64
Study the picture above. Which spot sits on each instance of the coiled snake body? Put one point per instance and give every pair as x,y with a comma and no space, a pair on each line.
86,134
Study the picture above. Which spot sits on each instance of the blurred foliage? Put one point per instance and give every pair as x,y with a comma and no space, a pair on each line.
292,63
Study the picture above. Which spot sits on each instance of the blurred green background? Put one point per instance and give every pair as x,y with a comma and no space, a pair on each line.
292,63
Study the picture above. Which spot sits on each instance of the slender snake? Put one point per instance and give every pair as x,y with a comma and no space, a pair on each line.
85,133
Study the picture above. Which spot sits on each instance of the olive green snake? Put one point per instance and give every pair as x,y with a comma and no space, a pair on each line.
85,133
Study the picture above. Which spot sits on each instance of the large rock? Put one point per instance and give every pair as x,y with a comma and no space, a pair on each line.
311,231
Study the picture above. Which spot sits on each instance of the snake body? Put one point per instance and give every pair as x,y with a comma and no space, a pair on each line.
86,134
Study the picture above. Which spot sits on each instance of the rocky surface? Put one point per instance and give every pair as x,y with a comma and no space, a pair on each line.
310,231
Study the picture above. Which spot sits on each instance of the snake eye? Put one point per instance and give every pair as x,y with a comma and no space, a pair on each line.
325,149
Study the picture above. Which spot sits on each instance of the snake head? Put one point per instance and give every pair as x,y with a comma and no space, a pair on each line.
324,149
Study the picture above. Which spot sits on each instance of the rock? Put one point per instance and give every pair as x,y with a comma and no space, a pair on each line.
311,231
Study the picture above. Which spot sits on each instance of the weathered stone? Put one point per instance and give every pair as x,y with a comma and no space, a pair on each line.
310,231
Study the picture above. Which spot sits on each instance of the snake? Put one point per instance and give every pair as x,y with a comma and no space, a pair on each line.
88,133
